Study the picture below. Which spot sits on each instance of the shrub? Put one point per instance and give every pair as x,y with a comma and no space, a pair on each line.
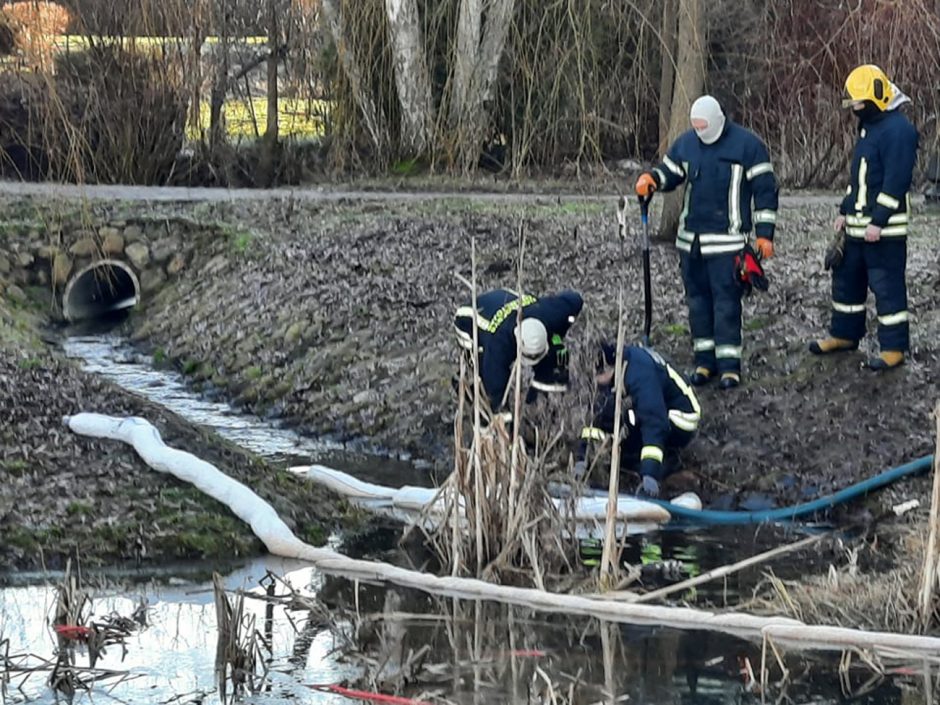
107,115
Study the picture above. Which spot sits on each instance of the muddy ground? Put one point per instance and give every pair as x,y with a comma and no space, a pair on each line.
336,317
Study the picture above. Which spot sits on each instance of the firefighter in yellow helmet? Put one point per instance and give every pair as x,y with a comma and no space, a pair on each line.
874,216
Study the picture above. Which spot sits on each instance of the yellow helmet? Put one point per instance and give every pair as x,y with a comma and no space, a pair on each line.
868,82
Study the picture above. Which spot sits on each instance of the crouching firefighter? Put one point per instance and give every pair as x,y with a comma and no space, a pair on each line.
725,168
545,322
660,415
872,252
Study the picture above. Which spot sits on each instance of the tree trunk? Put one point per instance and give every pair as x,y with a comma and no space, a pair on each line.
480,45
269,154
220,80
371,115
412,78
469,26
667,74
689,83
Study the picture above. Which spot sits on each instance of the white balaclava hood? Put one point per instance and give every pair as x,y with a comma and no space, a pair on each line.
534,340
707,108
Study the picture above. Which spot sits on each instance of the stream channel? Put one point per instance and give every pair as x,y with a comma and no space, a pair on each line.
388,639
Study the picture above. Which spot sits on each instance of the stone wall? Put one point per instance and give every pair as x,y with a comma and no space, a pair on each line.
156,250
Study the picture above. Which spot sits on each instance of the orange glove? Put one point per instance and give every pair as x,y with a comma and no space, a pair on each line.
645,185
765,247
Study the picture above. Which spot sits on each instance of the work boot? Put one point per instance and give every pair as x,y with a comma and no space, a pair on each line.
701,376
888,359
729,380
827,346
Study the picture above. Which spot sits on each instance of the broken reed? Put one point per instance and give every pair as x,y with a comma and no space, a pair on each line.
240,667
499,518
930,573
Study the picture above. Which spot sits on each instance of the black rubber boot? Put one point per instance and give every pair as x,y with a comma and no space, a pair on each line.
888,360
729,380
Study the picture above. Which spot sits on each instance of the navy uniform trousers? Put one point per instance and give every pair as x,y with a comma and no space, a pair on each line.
713,295
879,266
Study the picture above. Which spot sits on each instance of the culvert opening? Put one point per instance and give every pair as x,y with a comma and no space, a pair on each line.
100,290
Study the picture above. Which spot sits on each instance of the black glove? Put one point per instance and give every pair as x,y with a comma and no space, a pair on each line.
835,251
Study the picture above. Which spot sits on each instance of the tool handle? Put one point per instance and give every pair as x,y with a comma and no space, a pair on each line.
647,298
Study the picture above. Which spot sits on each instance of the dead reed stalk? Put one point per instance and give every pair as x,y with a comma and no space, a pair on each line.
240,667
928,583
499,518
610,559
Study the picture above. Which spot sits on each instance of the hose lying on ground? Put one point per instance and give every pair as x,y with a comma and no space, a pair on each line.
280,540
711,516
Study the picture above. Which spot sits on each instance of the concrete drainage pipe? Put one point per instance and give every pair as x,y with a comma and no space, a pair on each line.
100,288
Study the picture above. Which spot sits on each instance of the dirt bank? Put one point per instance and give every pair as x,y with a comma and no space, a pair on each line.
336,317
62,495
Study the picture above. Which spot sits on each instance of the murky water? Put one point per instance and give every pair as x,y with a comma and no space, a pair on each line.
429,649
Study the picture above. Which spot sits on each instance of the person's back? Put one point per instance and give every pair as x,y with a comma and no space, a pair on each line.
545,321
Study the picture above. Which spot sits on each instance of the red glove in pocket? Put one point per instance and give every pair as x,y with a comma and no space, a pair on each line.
749,271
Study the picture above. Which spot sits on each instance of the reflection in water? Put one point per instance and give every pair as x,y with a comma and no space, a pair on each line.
476,652
431,649
173,657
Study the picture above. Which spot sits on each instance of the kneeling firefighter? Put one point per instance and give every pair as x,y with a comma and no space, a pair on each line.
660,416
545,322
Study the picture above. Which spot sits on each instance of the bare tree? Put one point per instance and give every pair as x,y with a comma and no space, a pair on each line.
670,39
481,40
412,78
689,83
373,117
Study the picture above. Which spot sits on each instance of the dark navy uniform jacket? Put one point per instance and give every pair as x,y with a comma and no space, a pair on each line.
722,180
664,407
496,322
882,168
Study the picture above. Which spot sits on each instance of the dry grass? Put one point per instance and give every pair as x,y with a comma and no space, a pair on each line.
499,521
847,596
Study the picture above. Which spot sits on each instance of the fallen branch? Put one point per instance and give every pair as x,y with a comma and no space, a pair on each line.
280,540
716,573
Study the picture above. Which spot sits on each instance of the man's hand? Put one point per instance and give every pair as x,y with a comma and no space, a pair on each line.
646,185
872,233
579,471
649,487
839,223
765,247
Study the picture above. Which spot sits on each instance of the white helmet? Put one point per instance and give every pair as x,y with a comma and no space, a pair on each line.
707,108
534,340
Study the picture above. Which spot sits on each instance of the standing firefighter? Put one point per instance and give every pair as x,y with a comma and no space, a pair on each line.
724,167
545,321
874,214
